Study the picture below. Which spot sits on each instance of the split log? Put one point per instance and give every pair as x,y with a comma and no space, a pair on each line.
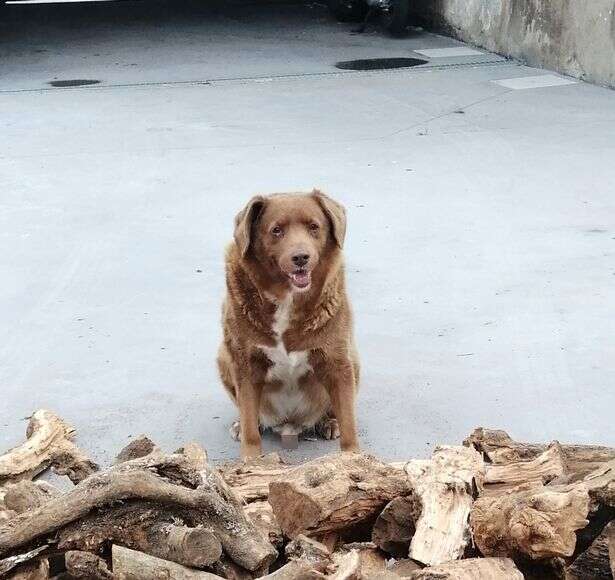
446,485
250,479
594,563
372,561
544,468
26,495
142,446
132,565
309,550
194,453
86,565
348,566
49,442
395,526
539,523
471,569
498,448
165,480
261,515
333,493
9,564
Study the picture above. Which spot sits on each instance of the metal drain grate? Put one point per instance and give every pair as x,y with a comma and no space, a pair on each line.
380,63
74,83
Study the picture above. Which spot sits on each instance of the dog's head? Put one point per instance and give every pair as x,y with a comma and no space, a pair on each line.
290,234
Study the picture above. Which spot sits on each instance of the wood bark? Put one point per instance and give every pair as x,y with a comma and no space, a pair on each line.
139,447
499,448
471,569
132,565
395,526
261,515
333,493
446,485
86,565
250,479
49,442
310,550
166,480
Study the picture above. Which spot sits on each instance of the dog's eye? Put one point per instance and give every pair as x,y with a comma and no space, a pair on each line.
277,231
314,226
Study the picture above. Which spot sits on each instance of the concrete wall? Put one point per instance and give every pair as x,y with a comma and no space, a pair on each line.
574,37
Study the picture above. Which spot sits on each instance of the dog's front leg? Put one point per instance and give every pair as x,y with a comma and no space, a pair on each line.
340,382
248,400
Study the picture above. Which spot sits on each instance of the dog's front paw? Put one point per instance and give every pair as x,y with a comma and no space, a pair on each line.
328,429
235,431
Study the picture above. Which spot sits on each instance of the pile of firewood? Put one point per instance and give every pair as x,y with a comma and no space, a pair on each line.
492,509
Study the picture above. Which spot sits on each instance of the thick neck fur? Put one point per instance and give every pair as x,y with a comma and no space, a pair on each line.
257,294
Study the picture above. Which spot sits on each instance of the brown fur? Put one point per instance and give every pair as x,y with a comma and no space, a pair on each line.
258,265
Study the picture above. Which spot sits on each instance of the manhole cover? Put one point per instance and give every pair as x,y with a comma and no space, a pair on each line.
74,83
379,63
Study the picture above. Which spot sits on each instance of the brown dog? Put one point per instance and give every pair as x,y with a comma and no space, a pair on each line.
288,358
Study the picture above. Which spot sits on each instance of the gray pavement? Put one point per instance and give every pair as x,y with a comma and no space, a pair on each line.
481,222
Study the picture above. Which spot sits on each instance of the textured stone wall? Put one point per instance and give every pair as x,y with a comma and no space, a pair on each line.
574,37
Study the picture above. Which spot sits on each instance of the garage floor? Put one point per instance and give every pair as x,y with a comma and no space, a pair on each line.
481,248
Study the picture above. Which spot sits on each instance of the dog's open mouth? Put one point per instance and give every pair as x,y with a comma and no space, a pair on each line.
300,279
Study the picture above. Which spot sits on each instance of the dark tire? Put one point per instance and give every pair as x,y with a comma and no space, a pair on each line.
395,17
348,10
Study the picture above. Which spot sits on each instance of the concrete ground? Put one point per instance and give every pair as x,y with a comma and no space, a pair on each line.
481,222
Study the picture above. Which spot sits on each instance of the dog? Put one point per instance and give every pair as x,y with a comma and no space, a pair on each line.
288,356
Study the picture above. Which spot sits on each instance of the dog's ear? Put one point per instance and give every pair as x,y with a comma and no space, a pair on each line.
244,223
337,216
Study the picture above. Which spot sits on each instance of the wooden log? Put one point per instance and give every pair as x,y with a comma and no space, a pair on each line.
295,570
226,568
25,495
539,523
132,565
395,526
8,564
544,468
49,442
86,565
471,569
250,479
446,485
195,453
499,448
372,561
261,515
594,563
169,481
309,550
332,493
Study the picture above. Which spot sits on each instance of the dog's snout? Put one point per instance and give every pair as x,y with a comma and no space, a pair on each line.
300,259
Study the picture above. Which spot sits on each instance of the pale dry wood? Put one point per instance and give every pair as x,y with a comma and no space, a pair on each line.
195,453
250,479
261,515
8,564
49,442
544,468
594,563
334,493
372,561
87,566
395,526
166,480
25,495
132,565
446,485
499,448
471,569
309,550
539,523
348,566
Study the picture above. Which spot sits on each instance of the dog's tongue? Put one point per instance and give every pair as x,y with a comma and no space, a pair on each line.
300,279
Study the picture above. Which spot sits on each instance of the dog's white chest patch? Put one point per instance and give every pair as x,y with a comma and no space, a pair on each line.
286,367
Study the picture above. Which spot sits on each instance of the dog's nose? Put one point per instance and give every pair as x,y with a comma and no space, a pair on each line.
300,260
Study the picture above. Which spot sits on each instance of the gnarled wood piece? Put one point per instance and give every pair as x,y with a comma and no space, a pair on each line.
594,563
446,485
395,526
49,442
167,480
539,523
250,479
333,493
26,495
471,569
86,565
261,515
499,448
544,468
132,565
